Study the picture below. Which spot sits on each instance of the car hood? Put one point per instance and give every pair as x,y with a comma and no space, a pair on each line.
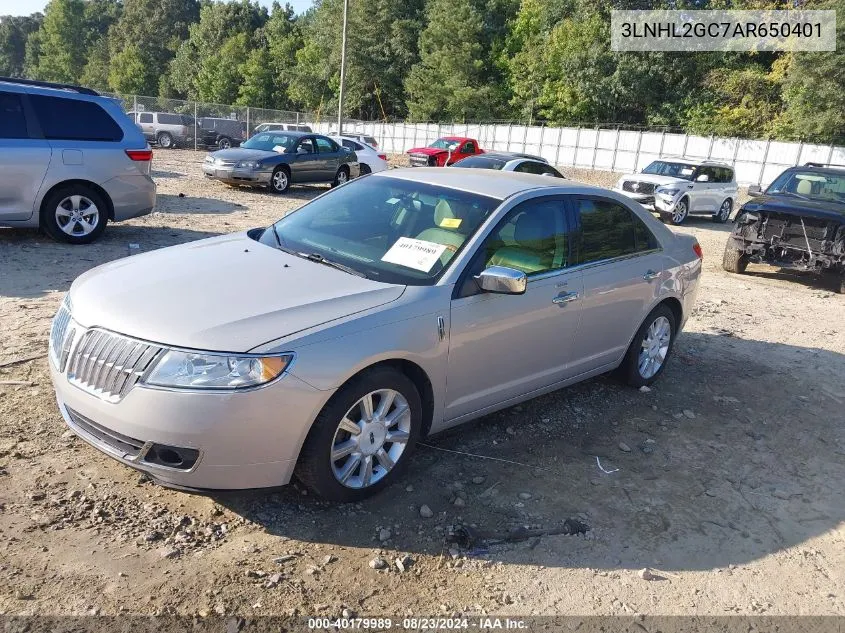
427,151
792,205
240,153
227,293
655,179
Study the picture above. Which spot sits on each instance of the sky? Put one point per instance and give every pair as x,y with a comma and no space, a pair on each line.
25,7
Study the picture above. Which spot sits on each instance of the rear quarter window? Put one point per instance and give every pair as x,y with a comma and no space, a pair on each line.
74,120
12,119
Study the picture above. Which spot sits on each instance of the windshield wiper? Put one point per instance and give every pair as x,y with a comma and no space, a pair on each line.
316,257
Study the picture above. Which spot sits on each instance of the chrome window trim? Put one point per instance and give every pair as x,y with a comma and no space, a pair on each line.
594,264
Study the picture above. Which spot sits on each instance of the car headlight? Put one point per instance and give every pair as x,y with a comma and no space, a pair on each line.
668,192
205,370
247,164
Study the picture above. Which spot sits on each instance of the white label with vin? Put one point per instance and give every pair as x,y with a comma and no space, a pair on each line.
416,254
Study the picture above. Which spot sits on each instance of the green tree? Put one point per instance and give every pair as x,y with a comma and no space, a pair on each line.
62,55
448,83
14,32
144,40
219,76
258,87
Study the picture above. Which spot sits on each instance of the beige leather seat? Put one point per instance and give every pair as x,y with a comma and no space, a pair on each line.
534,250
804,188
447,229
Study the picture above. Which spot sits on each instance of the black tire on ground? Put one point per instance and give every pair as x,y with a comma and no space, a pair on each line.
629,370
279,180
224,142
734,260
724,212
341,177
165,140
683,204
365,169
314,466
64,196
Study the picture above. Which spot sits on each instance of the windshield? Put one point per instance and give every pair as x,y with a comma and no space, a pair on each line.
676,170
388,229
481,162
268,140
444,143
810,184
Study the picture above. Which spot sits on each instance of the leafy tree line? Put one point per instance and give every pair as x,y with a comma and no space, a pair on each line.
433,60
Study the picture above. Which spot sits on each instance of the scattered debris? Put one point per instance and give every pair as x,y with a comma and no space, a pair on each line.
525,496
404,562
426,512
378,563
603,469
645,389
689,414
624,447
384,535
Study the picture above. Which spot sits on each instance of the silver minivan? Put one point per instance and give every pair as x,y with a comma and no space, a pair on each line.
70,161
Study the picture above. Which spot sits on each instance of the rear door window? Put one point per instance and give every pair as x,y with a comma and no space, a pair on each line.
74,119
326,146
145,117
169,119
12,119
609,230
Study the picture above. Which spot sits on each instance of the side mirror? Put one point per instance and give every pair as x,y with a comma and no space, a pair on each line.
755,190
502,280
301,150
703,178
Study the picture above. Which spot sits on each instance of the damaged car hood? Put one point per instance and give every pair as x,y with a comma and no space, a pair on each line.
227,293
797,205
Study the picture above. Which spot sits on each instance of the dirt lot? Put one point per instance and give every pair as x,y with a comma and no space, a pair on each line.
727,477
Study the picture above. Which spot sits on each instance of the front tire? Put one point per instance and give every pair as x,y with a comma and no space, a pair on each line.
165,140
280,180
679,214
649,352
734,260
362,439
75,214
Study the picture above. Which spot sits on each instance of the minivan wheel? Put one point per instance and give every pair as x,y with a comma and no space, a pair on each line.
362,439
75,214
724,212
646,358
164,140
341,177
279,180
224,143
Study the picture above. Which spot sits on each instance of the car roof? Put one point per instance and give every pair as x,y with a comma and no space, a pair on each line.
693,161
509,156
821,169
487,182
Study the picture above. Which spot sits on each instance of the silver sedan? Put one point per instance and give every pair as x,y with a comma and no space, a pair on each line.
398,305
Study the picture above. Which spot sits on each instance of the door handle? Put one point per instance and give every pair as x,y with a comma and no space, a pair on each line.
651,274
565,298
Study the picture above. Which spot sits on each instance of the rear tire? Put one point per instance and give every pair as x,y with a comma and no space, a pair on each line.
75,214
724,212
734,260
316,467
224,142
643,348
341,177
365,169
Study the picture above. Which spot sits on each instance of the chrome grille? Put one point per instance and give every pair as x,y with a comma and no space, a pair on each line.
419,160
108,365
57,334
638,187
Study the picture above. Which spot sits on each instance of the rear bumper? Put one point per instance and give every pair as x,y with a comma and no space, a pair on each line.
131,196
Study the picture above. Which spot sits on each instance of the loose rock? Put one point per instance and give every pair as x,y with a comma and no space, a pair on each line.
403,562
525,496
426,512
624,447
378,563
384,534
689,414
646,574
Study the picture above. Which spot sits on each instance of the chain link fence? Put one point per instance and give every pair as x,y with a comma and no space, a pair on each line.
612,147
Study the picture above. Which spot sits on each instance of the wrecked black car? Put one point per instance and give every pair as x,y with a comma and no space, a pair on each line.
797,222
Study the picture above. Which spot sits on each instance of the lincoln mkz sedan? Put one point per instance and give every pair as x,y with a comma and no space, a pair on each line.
327,345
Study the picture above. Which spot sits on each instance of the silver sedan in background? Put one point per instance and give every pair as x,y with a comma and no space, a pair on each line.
396,306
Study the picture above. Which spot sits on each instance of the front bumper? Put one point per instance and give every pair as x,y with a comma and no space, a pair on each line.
235,176
419,160
647,200
665,203
248,439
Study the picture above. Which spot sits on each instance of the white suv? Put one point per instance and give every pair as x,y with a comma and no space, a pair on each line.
677,187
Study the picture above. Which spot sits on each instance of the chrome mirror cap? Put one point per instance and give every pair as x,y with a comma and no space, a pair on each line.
502,280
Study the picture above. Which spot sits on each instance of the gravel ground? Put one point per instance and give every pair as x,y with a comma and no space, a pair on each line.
725,484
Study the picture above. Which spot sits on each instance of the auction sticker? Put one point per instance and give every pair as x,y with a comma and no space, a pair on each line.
416,254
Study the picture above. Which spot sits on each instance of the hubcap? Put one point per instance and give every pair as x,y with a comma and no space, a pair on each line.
225,144
341,177
371,438
655,347
165,141
77,215
680,212
280,180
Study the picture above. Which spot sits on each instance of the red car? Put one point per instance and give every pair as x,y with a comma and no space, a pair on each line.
444,151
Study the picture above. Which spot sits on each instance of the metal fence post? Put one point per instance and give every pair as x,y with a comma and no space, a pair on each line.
297,120
800,151
557,151
662,141
736,153
637,154
510,129
525,140
595,149
247,121
196,128
135,107
763,164
686,141
543,134
710,148
615,150
577,140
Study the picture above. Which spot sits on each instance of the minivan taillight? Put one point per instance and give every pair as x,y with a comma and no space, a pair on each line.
142,155
698,252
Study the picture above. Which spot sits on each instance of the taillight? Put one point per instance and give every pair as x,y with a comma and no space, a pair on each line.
698,252
140,154
383,156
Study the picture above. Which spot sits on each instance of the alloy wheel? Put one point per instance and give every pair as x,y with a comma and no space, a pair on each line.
280,180
342,177
371,438
725,211
77,215
655,347
680,212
